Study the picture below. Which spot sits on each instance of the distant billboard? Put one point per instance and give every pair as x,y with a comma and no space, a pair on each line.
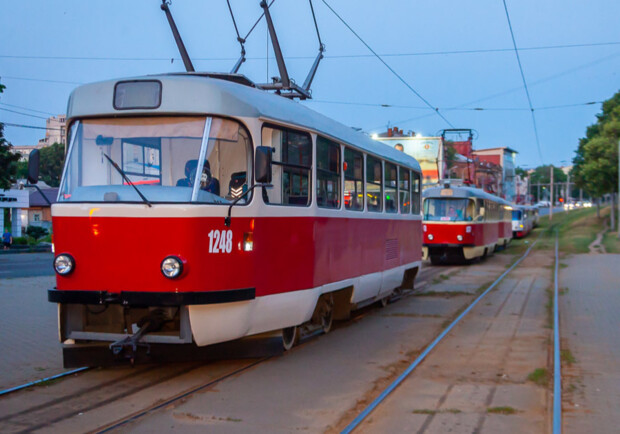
427,150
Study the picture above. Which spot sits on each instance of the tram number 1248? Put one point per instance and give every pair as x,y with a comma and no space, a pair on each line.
220,241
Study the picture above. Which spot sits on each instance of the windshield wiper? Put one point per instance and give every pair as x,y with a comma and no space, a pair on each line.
146,201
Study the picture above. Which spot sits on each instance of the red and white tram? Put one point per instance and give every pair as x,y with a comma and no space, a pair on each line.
144,251
462,223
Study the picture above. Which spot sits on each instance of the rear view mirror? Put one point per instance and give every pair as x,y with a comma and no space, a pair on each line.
33,167
262,164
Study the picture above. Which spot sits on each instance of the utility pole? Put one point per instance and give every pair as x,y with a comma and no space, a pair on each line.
567,199
618,190
552,198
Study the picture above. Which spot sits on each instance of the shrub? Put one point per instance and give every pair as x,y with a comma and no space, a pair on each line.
36,232
20,241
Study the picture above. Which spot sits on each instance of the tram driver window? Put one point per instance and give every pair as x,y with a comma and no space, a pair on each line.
374,177
327,173
292,165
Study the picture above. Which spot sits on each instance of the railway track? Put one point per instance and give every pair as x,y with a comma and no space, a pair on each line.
387,391
57,401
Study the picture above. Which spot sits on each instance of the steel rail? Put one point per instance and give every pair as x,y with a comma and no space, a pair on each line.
144,412
366,412
557,366
34,383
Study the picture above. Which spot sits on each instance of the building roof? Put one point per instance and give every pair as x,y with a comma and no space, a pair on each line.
503,148
193,93
37,200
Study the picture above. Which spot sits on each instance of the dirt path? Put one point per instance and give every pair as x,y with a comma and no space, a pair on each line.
589,323
597,246
477,379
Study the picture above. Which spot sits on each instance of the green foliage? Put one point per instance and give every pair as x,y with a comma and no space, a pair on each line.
596,160
8,159
449,154
52,161
8,162
36,232
20,241
542,175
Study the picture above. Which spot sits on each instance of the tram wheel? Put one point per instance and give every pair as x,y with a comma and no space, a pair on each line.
289,337
385,300
326,312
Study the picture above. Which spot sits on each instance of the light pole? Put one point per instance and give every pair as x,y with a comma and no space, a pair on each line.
552,198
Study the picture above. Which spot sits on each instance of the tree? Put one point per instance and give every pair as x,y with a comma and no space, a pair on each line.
52,161
8,159
596,161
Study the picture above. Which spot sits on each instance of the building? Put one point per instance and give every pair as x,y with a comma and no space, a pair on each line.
25,151
40,212
503,157
15,200
56,131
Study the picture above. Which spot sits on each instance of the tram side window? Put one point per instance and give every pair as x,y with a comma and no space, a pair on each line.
416,193
480,210
374,176
292,165
391,202
327,173
353,180
404,190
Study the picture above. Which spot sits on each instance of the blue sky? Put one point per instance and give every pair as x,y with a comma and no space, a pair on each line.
49,47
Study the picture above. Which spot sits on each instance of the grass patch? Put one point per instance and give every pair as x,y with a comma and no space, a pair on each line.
567,357
563,291
441,278
611,242
49,382
578,228
501,410
433,412
549,309
424,411
540,376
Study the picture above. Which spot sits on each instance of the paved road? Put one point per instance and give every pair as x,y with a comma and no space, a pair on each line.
545,211
26,265
589,324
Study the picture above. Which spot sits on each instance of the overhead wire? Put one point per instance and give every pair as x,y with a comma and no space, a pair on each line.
28,126
402,80
527,92
334,56
21,113
27,109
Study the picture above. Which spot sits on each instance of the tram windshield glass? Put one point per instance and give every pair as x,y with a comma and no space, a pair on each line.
454,210
516,215
166,158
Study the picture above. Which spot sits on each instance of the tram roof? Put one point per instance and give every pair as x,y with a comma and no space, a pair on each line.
193,93
461,192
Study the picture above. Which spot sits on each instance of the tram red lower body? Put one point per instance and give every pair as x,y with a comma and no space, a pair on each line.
117,254
479,234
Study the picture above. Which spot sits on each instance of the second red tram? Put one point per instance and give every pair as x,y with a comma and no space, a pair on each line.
463,223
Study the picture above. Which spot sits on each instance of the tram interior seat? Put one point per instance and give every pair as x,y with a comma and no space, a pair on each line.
237,185
213,185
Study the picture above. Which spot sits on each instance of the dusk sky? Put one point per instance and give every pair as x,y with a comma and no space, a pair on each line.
458,55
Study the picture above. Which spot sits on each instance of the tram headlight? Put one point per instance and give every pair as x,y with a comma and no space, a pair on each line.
459,237
171,267
64,264
430,237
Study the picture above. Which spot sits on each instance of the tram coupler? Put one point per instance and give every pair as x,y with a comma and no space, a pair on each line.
128,346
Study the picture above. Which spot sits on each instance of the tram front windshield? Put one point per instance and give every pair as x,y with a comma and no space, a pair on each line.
436,209
168,159
516,215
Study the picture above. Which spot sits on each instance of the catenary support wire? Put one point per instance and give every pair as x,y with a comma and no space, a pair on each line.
402,80
527,92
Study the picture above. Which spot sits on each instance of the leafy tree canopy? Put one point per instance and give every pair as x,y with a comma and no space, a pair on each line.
596,161
52,161
8,159
542,175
